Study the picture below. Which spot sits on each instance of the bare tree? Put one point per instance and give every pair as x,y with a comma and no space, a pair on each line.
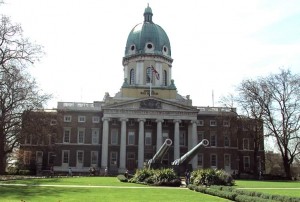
248,120
18,90
275,99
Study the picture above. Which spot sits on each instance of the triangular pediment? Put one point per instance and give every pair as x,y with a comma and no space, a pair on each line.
150,103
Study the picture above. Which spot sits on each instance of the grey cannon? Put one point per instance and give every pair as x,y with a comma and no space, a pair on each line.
156,161
181,164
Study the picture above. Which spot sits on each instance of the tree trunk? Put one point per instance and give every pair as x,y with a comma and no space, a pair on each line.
287,168
2,155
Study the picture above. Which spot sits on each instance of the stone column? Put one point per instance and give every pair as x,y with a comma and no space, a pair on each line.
176,139
122,167
104,154
194,161
141,144
159,138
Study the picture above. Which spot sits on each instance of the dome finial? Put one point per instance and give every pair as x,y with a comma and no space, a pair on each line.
148,14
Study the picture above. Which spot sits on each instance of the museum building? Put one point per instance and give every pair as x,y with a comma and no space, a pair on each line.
123,132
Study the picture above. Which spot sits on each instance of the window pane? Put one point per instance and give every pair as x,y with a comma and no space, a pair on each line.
94,157
148,138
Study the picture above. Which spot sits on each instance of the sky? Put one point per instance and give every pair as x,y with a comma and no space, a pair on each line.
215,44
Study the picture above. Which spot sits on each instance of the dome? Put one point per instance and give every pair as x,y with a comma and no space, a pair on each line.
148,38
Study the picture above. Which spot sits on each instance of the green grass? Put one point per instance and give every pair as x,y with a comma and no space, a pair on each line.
114,191
287,188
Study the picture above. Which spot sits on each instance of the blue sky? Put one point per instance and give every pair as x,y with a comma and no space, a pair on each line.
215,44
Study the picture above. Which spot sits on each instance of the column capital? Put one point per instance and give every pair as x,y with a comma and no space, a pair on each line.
124,119
176,121
141,120
159,120
105,119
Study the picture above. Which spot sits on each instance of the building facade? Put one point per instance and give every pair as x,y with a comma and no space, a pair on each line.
123,132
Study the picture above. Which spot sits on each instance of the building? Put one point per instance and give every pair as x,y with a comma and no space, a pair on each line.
126,130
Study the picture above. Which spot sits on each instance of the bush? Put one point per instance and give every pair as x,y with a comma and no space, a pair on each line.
24,172
160,177
211,177
122,178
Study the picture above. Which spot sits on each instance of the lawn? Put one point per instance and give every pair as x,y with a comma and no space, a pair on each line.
287,188
94,189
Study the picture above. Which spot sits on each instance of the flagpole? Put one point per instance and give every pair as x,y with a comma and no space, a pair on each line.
151,82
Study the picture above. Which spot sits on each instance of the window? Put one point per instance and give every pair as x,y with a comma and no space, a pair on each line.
67,118
226,141
95,135
182,138
131,77
148,123
39,157
246,160
227,160
28,139
51,157
80,155
53,122
67,134
27,156
213,161
114,136
213,123
131,138
81,119
165,78
200,136
165,136
94,157
65,156
200,123
213,139
148,75
245,144
52,137
114,122
226,123
113,159
81,135
200,160
148,138
96,119
131,122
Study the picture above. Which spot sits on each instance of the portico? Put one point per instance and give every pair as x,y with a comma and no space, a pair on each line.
149,118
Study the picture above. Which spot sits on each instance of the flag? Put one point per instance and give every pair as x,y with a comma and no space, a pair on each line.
155,72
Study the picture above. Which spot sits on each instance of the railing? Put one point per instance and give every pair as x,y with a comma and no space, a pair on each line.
80,105
214,110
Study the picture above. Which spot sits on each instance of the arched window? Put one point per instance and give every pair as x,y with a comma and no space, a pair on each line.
165,78
148,75
131,77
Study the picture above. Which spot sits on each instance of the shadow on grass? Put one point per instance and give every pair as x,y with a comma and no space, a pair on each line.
32,181
27,193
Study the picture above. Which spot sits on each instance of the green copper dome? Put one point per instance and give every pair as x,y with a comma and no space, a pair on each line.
148,38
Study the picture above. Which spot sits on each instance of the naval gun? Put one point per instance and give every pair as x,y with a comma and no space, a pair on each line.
156,161
181,164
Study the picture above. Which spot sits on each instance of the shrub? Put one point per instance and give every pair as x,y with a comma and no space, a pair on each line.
211,177
24,172
160,177
141,175
122,178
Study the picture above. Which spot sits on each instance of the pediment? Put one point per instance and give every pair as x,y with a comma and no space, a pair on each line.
150,103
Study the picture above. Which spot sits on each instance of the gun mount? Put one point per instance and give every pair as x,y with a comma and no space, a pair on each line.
190,154
157,158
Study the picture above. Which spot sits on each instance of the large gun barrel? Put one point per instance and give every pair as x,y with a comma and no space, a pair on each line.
157,158
190,154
